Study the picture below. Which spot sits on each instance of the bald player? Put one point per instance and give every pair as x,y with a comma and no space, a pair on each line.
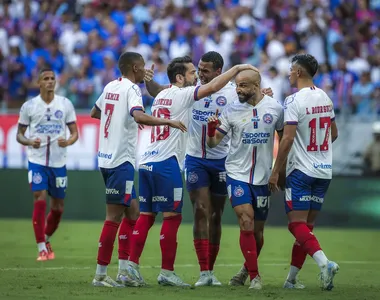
252,123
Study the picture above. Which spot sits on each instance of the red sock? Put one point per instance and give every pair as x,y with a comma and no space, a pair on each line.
213,250
305,237
298,254
248,248
52,222
125,233
139,235
106,241
168,241
39,220
201,248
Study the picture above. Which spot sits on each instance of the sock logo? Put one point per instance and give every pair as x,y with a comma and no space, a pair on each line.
123,237
100,244
135,232
162,236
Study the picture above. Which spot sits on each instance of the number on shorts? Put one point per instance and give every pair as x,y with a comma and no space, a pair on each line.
160,133
324,123
108,111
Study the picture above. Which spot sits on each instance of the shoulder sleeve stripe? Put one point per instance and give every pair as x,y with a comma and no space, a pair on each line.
221,130
333,119
23,125
97,107
196,93
291,123
135,108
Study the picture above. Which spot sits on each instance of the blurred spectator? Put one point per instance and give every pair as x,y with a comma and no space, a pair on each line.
82,39
372,154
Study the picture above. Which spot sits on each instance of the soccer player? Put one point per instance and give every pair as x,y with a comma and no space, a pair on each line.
252,123
119,109
47,117
204,166
160,181
306,147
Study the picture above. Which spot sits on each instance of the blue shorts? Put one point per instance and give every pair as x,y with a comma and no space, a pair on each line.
52,180
303,192
258,196
202,172
119,184
160,186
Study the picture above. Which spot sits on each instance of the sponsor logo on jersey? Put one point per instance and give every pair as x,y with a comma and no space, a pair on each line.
201,115
49,128
150,153
147,168
322,166
137,90
238,191
58,114
289,100
268,119
192,177
104,155
112,192
207,102
37,178
255,138
142,199
221,101
159,199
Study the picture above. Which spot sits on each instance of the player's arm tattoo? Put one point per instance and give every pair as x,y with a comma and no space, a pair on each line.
73,133
285,146
95,113
154,88
20,137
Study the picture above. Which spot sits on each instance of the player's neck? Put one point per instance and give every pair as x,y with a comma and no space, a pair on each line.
304,83
47,97
130,78
256,100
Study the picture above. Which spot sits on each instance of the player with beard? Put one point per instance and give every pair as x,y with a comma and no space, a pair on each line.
160,180
252,123
205,171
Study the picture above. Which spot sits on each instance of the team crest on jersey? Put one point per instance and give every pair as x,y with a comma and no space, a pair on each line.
238,191
221,101
58,114
37,178
268,119
192,177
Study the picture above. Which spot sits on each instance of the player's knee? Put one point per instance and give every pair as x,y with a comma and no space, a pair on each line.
245,221
216,217
39,195
114,216
200,211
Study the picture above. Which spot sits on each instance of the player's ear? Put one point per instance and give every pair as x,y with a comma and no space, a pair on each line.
179,78
219,71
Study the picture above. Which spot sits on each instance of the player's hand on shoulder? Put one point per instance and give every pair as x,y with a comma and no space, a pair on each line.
62,142
178,125
36,143
149,74
267,91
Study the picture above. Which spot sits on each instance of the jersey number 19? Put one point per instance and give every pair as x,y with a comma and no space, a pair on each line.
160,133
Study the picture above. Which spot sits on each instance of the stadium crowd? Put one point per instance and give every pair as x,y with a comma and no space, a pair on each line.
82,39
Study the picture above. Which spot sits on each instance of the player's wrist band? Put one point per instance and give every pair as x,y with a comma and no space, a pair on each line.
211,129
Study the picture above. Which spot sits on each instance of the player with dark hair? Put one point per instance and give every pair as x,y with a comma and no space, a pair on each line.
47,117
120,109
252,123
306,148
160,180
204,167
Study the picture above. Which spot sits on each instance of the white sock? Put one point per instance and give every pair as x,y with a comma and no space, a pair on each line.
123,263
47,238
41,247
320,258
101,270
293,272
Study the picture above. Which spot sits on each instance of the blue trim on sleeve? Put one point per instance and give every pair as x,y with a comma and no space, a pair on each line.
135,108
97,107
196,93
221,130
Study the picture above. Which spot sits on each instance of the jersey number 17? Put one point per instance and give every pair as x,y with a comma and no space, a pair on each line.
324,124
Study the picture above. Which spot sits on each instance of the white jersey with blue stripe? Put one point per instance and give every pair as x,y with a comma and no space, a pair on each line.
201,110
252,129
312,111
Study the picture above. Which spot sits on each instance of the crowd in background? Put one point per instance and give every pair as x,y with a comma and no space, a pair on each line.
81,40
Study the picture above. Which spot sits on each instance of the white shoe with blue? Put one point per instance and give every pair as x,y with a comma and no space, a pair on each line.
124,279
240,278
293,284
106,281
205,279
327,275
214,280
169,278
256,283
133,271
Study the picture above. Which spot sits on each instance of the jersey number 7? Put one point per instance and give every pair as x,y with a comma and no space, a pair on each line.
325,125
108,112
160,133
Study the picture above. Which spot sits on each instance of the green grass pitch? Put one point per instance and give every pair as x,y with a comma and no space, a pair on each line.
75,244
